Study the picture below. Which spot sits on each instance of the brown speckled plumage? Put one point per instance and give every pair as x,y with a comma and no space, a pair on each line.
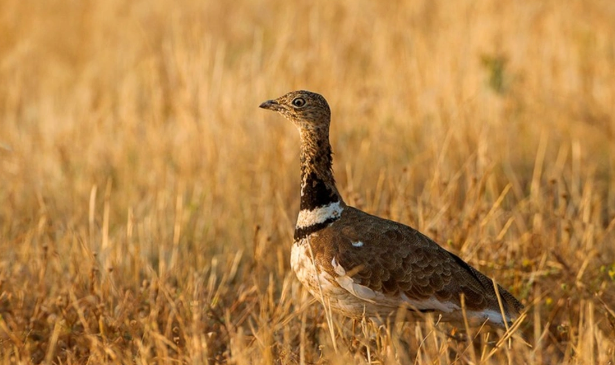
366,265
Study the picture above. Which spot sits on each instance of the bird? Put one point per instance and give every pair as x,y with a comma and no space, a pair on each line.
364,266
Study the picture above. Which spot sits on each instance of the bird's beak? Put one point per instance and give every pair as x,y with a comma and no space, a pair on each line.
271,105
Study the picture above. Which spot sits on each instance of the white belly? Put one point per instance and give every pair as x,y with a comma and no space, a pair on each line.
320,284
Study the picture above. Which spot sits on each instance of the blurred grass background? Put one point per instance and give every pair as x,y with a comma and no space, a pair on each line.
147,205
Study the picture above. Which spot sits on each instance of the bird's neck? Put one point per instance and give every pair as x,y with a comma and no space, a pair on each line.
321,203
318,188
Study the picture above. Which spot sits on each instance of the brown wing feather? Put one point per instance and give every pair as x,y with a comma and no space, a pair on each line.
395,259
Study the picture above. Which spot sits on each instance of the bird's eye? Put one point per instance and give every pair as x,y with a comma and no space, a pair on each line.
298,102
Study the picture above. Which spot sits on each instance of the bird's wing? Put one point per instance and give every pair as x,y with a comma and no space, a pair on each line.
373,257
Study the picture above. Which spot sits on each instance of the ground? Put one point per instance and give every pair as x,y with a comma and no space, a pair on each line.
147,204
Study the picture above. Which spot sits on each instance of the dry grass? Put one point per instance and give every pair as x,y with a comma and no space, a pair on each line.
147,205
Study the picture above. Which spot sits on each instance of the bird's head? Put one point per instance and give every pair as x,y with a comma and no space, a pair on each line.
307,110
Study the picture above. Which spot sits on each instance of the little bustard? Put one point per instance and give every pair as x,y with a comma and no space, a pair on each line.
363,265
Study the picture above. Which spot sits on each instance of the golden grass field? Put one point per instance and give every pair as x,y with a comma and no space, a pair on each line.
147,204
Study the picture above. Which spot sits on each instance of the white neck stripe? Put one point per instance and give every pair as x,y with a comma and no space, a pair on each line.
308,218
